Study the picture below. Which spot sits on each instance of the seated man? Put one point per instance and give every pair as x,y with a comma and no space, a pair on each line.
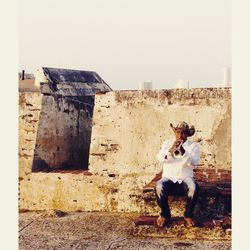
179,156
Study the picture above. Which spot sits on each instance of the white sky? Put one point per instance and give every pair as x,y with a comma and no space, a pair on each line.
128,41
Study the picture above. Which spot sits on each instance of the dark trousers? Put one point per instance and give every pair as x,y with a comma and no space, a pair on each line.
165,187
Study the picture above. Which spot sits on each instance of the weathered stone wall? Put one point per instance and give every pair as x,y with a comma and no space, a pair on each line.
63,134
54,132
80,192
128,129
29,114
130,126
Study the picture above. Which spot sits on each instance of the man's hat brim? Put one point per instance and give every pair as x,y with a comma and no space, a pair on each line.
189,132
185,128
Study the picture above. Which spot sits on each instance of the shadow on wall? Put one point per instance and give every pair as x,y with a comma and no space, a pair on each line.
64,133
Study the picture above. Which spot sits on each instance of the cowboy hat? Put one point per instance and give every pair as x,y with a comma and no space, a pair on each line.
185,128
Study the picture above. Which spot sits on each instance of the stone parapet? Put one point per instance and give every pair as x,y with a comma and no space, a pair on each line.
130,126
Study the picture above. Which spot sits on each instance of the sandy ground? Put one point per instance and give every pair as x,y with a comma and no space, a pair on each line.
95,231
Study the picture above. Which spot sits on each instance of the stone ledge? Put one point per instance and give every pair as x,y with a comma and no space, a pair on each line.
212,182
224,223
197,93
78,171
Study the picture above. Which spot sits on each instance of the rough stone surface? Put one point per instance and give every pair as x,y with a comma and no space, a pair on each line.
108,231
62,128
128,129
63,133
54,132
130,126
29,115
79,192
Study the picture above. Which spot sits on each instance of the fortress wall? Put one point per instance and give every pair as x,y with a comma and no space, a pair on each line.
128,129
130,126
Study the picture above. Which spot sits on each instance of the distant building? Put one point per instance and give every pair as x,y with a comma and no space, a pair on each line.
26,82
23,76
146,85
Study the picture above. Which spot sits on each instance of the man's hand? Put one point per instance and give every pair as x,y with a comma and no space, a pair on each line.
182,150
176,144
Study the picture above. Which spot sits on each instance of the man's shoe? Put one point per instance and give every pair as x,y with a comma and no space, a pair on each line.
189,222
161,221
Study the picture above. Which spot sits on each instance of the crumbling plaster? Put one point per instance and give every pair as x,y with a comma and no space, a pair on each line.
128,129
130,126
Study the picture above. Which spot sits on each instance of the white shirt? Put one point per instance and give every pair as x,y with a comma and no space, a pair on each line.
179,169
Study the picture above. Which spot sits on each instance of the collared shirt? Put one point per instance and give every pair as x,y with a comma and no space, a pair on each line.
179,169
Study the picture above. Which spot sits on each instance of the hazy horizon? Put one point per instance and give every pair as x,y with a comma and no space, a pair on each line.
127,42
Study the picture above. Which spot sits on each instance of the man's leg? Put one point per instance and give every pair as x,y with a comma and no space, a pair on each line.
162,187
191,187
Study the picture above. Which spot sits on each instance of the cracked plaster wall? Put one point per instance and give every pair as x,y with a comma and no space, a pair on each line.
128,129
130,126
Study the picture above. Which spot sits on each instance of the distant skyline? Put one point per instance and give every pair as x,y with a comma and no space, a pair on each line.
127,42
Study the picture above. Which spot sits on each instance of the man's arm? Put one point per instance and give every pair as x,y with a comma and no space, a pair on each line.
163,154
193,157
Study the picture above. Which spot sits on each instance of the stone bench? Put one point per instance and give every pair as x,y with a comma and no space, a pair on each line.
212,182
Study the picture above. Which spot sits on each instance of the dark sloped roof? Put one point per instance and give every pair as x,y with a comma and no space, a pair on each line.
71,76
73,82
